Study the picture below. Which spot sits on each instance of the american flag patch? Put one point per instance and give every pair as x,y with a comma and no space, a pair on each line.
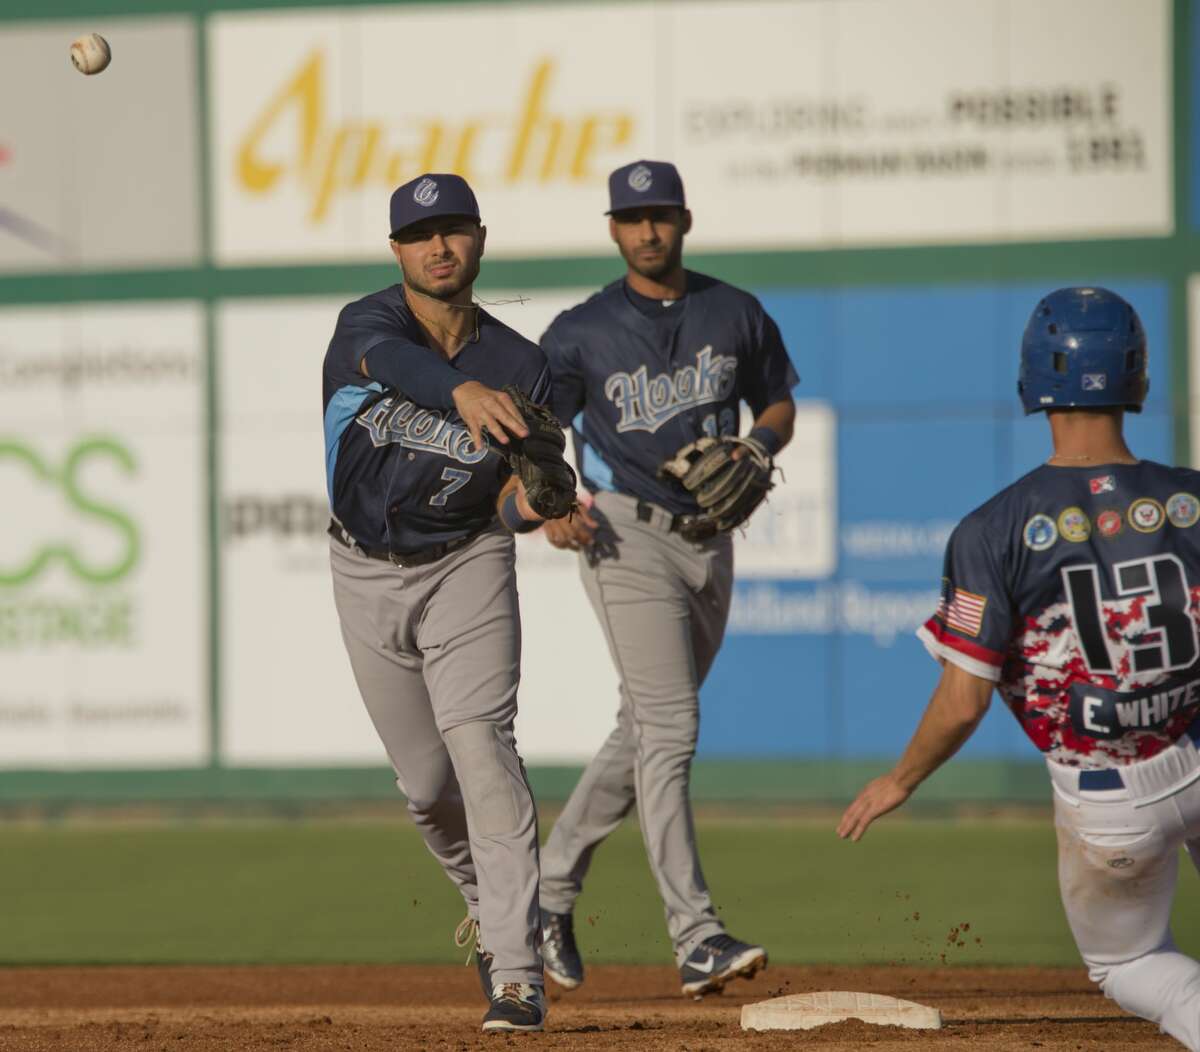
965,612
1103,484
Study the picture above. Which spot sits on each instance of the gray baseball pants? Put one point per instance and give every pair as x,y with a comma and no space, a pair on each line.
662,603
436,652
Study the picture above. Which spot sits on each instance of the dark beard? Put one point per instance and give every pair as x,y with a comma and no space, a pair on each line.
658,271
468,274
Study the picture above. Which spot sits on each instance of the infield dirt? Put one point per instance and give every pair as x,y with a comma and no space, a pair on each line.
438,1009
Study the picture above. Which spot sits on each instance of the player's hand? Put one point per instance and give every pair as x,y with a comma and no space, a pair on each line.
523,505
877,798
572,532
484,408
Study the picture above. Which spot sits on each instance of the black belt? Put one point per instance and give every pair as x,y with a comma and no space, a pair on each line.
422,558
678,523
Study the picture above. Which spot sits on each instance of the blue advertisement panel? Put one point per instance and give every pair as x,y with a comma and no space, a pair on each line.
921,383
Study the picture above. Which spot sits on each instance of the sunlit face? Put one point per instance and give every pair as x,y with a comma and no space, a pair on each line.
651,238
440,255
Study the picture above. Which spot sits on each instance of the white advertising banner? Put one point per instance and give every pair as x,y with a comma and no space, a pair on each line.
288,692
795,124
859,122
317,117
103,557
99,171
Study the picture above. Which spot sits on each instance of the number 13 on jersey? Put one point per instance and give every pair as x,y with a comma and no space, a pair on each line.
1162,582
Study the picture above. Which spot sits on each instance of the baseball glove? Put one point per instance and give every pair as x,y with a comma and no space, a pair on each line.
727,490
537,459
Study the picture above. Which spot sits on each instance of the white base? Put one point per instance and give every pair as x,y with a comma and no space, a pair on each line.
805,1011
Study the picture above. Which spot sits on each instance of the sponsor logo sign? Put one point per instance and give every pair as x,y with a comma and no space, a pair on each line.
834,124
316,124
102,605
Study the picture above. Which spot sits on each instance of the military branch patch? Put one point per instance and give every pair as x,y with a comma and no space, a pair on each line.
1102,484
1040,533
965,612
1183,509
1109,523
1074,525
1146,515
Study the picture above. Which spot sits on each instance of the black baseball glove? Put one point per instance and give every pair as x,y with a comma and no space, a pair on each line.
537,459
727,490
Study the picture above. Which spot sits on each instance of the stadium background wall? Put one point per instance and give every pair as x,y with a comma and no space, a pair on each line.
177,234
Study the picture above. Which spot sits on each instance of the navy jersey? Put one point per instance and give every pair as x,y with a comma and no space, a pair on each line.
636,388
402,478
1077,591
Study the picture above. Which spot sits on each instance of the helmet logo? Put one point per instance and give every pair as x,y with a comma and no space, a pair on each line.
1095,381
426,193
640,179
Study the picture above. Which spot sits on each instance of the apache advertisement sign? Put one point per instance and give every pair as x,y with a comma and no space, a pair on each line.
795,125
103,609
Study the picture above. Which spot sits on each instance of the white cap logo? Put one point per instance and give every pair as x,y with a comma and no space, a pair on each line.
640,179
426,193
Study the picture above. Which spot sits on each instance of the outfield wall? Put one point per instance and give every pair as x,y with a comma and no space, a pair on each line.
898,181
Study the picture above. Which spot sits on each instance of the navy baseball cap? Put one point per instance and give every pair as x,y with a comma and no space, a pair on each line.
644,183
431,194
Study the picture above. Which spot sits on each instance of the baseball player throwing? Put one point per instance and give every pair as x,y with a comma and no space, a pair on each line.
655,362
1076,594
423,571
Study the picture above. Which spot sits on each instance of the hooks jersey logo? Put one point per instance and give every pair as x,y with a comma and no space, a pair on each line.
647,403
424,430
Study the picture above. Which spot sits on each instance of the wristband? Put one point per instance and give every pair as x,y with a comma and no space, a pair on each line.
766,438
511,516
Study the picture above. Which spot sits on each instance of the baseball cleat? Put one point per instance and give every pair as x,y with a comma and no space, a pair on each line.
467,933
516,1006
560,955
717,960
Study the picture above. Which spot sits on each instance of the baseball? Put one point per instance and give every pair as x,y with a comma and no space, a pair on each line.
91,54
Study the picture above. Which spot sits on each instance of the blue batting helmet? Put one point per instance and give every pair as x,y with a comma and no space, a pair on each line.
1083,347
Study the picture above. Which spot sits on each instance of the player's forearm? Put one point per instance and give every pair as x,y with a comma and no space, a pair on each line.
422,374
514,511
778,421
953,713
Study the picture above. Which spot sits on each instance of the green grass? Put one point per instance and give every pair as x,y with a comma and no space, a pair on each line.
326,891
